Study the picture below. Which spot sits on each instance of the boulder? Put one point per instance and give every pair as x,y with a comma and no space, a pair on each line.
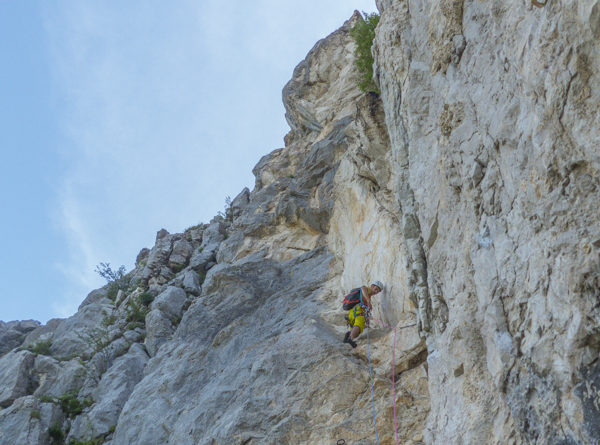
214,233
170,302
132,336
162,233
15,376
180,254
192,283
54,378
13,333
203,256
10,339
159,330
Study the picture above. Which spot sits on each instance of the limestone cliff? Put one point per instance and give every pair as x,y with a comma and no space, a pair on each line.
492,112
469,187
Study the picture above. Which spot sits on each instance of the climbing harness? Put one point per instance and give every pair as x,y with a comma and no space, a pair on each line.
538,3
363,313
393,375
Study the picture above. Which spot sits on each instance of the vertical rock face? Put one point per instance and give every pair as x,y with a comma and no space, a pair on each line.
258,358
469,187
492,113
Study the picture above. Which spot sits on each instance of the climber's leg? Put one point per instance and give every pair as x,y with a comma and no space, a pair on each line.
357,328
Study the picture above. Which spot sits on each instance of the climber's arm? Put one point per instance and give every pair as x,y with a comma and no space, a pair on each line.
366,297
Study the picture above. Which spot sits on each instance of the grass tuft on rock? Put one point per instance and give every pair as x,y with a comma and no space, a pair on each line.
41,347
56,434
70,405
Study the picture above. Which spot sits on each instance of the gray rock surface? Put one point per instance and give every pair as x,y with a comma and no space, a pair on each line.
42,333
204,256
96,296
214,233
54,378
170,302
15,377
13,333
192,282
230,295
164,316
488,110
102,360
469,187
75,335
156,270
110,395
239,203
180,254
27,421
159,329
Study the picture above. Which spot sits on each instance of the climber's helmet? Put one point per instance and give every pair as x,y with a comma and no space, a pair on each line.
378,284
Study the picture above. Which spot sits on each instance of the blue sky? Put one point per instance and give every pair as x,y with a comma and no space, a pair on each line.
121,118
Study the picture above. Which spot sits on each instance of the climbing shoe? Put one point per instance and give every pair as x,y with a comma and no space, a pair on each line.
347,339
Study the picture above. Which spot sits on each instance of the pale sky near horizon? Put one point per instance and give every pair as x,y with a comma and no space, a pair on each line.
121,118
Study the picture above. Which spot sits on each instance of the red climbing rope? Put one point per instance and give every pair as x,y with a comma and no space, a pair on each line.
394,370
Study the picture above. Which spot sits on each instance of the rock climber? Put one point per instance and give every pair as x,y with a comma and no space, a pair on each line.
360,298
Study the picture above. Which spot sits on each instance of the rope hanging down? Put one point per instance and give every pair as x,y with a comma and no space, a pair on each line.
372,390
393,376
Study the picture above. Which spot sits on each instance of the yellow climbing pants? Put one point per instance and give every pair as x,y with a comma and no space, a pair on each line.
356,317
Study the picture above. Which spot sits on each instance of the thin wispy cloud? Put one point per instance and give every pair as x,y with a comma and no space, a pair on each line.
78,269
165,108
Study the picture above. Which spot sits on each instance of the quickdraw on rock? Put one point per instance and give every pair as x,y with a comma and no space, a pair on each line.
538,3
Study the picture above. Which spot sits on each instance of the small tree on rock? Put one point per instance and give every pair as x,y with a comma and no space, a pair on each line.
117,280
364,34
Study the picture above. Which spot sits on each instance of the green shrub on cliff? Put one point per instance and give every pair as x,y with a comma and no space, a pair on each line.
41,347
364,33
116,279
137,310
56,434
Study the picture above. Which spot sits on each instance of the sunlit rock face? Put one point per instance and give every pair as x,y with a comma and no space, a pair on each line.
469,187
258,357
492,113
